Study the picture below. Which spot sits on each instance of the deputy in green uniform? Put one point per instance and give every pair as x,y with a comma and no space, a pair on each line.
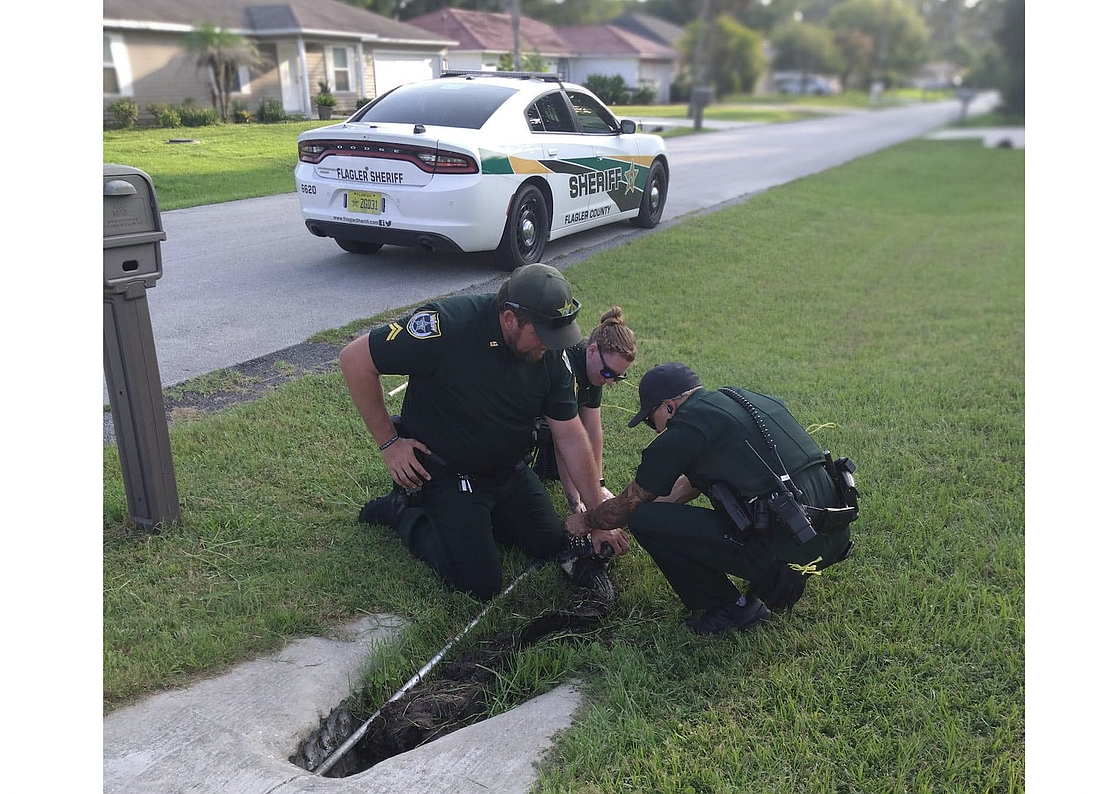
601,360
478,378
740,449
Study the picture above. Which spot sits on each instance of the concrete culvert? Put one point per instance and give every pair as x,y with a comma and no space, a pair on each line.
457,697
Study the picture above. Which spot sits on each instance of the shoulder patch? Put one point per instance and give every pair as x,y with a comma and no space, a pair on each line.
424,325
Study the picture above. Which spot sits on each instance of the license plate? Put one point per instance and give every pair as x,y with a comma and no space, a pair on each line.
364,202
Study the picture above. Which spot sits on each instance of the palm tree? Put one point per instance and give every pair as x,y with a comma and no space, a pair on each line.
223,53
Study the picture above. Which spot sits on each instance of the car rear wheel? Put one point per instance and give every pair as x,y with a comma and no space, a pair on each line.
357,247
653,198
525,232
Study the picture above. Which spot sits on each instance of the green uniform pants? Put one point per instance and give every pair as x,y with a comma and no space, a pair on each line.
456,531
695,550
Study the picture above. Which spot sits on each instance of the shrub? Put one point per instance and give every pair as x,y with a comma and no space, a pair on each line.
363,100
324,99
609,88
645,95
241,114
164,115
270,112
125,112
193,116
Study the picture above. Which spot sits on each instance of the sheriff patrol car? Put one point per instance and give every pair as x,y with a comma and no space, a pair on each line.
478,161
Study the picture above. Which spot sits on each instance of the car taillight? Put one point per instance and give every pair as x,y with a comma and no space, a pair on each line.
444,162
431,161
310,152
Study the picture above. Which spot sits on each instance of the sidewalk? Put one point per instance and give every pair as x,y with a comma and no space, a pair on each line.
1007,137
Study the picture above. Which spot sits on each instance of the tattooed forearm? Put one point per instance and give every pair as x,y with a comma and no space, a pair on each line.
616,512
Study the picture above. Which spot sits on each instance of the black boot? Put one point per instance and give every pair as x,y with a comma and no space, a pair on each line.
385,509
741,615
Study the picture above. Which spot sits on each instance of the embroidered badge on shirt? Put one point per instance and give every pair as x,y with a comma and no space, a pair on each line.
424,325
395,329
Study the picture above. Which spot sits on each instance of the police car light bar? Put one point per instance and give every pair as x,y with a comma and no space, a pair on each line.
550,78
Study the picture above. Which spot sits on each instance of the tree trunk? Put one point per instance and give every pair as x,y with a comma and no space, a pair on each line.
517,64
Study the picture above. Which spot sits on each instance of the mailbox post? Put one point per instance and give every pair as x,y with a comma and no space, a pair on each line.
132,234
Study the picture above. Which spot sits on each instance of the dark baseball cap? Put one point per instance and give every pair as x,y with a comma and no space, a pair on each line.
546,297
660,383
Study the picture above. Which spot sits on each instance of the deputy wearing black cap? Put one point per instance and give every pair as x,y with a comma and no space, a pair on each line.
478,377
740,449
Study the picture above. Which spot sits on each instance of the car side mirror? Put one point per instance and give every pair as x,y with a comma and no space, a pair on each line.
627,127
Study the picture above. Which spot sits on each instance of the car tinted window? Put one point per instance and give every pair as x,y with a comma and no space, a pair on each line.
553,114
594,118
449,103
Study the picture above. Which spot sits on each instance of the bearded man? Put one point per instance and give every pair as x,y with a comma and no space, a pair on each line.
481,369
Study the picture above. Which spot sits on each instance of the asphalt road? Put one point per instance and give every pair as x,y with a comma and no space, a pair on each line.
245,278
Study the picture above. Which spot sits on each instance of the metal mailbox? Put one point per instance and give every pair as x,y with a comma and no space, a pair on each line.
131,229
132,234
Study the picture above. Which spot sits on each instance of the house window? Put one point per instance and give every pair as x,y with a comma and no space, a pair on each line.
116,67
341,74
110,74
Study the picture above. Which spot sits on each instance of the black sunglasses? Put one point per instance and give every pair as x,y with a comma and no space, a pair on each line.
566,316
649,419
607,372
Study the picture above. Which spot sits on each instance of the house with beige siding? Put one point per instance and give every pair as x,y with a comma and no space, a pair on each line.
303,42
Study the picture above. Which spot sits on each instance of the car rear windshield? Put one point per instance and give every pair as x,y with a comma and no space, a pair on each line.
448,103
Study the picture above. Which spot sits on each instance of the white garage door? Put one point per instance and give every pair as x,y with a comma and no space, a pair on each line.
394,68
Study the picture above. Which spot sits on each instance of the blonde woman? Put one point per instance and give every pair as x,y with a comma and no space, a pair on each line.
598,362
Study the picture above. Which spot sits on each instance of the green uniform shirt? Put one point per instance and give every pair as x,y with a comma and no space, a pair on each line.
469,399
589,394
706,438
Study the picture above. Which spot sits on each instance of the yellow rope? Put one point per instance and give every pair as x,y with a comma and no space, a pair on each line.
809,569
814,428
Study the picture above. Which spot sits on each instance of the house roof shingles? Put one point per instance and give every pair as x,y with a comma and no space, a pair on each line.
611,40
649,26
256,18
481,30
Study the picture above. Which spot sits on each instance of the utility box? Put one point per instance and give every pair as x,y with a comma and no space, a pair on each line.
132,234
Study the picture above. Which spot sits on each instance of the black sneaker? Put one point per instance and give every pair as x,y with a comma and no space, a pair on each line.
385,509
741,615
590,573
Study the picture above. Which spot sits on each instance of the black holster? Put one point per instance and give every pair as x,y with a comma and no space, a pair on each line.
834,519
543,460
728,505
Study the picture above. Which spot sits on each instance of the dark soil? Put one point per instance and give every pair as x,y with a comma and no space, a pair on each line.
455,698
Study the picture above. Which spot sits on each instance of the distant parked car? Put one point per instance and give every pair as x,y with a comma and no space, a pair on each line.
813,84
478,162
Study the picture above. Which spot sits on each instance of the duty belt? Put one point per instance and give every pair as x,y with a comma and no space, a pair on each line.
831,519
437,468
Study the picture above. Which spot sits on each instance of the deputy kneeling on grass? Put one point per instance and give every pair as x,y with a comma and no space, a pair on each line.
479,376
782,506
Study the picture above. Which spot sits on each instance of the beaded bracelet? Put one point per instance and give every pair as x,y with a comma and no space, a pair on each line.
389,442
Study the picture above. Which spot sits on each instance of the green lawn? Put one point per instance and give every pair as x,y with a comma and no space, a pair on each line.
771,107
226,162
723,112
995,118
885,296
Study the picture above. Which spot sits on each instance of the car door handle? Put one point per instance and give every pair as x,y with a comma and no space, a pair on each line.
552,152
